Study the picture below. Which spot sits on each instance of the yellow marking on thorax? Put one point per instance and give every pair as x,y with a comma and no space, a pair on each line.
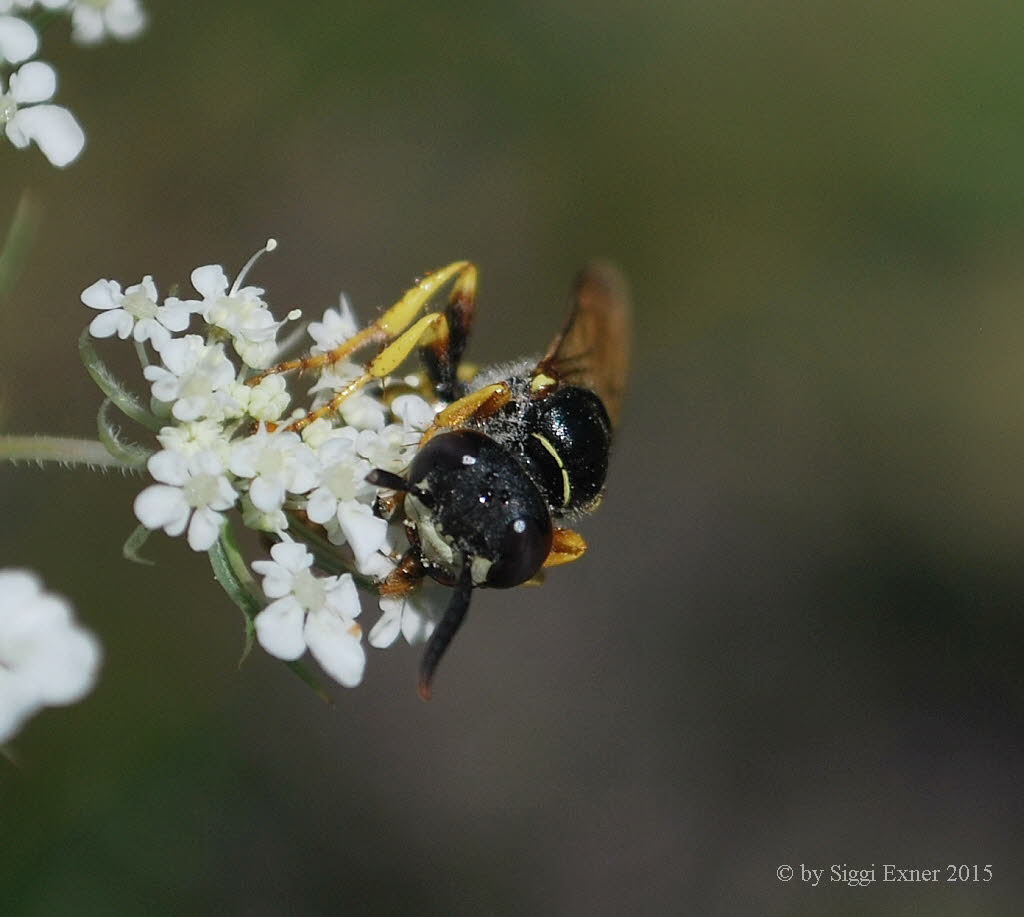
541,381
566,487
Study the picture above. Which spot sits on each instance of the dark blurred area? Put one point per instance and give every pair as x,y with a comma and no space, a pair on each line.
797,637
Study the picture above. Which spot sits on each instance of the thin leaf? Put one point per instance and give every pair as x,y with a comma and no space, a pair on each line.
230,570
134,543
131,454
18,242
237,590
124,400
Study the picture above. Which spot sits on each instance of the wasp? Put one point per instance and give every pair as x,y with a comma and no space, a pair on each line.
513,453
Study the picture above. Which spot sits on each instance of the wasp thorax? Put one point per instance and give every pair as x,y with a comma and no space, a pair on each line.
473,503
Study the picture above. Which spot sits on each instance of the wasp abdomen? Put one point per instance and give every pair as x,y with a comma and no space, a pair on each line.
565,449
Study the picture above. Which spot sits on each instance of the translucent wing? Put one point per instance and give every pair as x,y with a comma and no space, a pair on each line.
592,349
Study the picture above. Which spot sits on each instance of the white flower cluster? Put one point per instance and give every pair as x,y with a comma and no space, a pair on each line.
226,445
26,114
46,659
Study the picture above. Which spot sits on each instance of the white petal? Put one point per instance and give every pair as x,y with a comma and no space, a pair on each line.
15,134
125,20
16,588
363,412
206,462
379,566
321,505
210,281
147,286
169,467
413,411
107,324
335,644
86,25
165,384
226,495
243,457
279,629
275,585
162,507
388,626
186,409
34,82
103,294
292,556
415,627
149,329
18,40
204,528
343,597
174,315
66,671
364,531
54,129
267,494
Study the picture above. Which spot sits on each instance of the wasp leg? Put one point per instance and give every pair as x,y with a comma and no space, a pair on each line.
399,317
446,629
482,403
405,576
566,546
423,333
442,357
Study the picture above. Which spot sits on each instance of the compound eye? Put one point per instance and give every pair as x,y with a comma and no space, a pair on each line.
446,452
524,548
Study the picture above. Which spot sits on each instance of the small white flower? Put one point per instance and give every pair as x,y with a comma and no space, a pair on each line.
337,326
310,612
413,412
276,463
191,487
18,40
342,479
53,128
239,310
269,398
390,449
197,436
134,312
413,615
197,379
318,432
257,354
46,659
94,20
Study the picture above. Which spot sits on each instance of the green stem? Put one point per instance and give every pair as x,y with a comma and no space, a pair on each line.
62,449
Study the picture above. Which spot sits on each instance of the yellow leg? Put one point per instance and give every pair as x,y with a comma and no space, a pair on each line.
395,320
566,546
481,403
425,331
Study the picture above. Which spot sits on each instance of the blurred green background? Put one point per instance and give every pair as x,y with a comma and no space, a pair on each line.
798,635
